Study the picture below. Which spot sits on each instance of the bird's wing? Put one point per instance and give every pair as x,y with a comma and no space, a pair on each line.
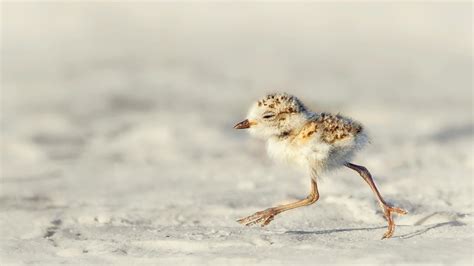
334,128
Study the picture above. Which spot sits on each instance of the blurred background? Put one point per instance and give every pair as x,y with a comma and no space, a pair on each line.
121,114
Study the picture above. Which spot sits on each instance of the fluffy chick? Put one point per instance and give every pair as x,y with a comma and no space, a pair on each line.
317,142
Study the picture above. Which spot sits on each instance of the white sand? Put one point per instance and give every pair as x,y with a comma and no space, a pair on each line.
118,147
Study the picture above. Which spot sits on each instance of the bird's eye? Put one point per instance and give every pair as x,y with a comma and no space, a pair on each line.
268,115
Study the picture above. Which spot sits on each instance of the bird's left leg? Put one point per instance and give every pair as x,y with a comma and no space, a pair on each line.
266,216
387,209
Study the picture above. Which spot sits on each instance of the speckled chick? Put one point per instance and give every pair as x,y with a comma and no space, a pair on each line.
316,142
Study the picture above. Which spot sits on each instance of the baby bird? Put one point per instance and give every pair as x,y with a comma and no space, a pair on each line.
318,142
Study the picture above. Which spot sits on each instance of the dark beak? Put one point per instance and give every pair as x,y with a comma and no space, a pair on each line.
243,124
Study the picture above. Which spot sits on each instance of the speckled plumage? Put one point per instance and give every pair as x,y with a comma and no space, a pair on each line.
316,142
336,127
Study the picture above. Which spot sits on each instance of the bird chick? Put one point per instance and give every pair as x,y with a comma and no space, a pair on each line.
318,142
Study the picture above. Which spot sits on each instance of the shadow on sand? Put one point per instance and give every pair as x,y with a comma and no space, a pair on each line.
324,232
426,229
404,236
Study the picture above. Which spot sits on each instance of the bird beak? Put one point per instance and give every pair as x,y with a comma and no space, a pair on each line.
244,124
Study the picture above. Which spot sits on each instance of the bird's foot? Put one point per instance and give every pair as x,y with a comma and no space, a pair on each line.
388,211
262,217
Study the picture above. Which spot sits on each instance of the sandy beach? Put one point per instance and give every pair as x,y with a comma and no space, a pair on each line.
117,143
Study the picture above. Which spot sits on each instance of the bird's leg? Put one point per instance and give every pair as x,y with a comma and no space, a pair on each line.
387,209
266,216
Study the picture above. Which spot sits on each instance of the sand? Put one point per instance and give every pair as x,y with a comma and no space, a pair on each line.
117,143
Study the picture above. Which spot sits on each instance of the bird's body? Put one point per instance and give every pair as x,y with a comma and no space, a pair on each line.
315,142
323,143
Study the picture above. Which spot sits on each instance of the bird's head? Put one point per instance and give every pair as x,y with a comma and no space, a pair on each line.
277,114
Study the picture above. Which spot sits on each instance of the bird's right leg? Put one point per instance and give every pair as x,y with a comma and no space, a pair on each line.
266,216
387,209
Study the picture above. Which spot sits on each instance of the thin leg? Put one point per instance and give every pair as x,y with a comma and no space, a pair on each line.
266,216
387,210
